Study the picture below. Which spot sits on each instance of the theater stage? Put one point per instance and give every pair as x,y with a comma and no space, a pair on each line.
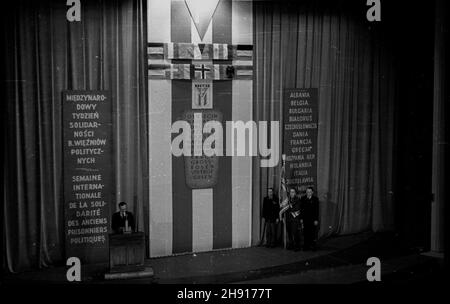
339,260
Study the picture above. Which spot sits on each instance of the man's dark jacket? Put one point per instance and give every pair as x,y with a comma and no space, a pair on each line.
118,221
271,209
309,209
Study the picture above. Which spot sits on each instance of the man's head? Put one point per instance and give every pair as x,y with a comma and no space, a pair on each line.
309,192
292,192
122,206
270,192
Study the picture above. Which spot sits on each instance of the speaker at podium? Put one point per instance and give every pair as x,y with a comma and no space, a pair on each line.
126,248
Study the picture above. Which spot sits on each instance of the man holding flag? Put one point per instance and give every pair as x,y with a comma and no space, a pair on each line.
291,207
293,222
283,198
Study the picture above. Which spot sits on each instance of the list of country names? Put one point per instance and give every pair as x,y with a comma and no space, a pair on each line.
300,137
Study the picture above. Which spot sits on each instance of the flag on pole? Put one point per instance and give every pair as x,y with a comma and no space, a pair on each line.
284,198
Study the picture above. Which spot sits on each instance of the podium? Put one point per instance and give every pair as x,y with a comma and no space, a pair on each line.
127,256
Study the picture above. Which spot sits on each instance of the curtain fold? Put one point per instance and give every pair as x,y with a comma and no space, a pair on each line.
44,55
324,46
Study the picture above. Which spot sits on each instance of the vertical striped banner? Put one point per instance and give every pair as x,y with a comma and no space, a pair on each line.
180,31
202,199
242,33
222,92
194,220
160,117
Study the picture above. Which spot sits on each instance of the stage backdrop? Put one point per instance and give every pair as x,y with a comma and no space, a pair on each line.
328,45
190,212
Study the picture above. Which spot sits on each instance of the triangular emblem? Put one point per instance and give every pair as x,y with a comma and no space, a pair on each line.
201,46
201,13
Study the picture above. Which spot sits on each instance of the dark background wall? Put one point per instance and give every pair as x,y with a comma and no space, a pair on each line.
407,30
411,31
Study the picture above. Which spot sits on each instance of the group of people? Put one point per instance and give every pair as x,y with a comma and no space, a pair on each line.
300,213
301,216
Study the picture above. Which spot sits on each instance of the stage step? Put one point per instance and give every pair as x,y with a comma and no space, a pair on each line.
146,273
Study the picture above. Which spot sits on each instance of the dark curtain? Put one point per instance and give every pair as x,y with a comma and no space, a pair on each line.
46,54
332,47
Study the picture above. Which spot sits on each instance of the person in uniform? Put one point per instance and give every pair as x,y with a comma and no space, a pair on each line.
309,210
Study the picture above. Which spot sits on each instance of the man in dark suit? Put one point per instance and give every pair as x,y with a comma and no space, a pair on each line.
293,221
122,221
309,209
271,209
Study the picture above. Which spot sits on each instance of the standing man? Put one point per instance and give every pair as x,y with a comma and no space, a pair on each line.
310,216
293,221
271,208
122,221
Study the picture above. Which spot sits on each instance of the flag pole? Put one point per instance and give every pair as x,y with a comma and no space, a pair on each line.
283,196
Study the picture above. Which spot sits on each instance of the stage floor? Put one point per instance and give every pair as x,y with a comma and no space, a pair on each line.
338,260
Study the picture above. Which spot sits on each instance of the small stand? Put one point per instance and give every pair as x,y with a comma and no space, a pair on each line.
127,256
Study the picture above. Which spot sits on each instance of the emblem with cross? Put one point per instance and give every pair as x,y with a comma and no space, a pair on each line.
202,69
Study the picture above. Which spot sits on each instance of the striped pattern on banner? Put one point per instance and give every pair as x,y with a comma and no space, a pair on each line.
184,219
160,162
169,71
243,52
199,71
155,50
242,34
197,51
202,199
206,51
